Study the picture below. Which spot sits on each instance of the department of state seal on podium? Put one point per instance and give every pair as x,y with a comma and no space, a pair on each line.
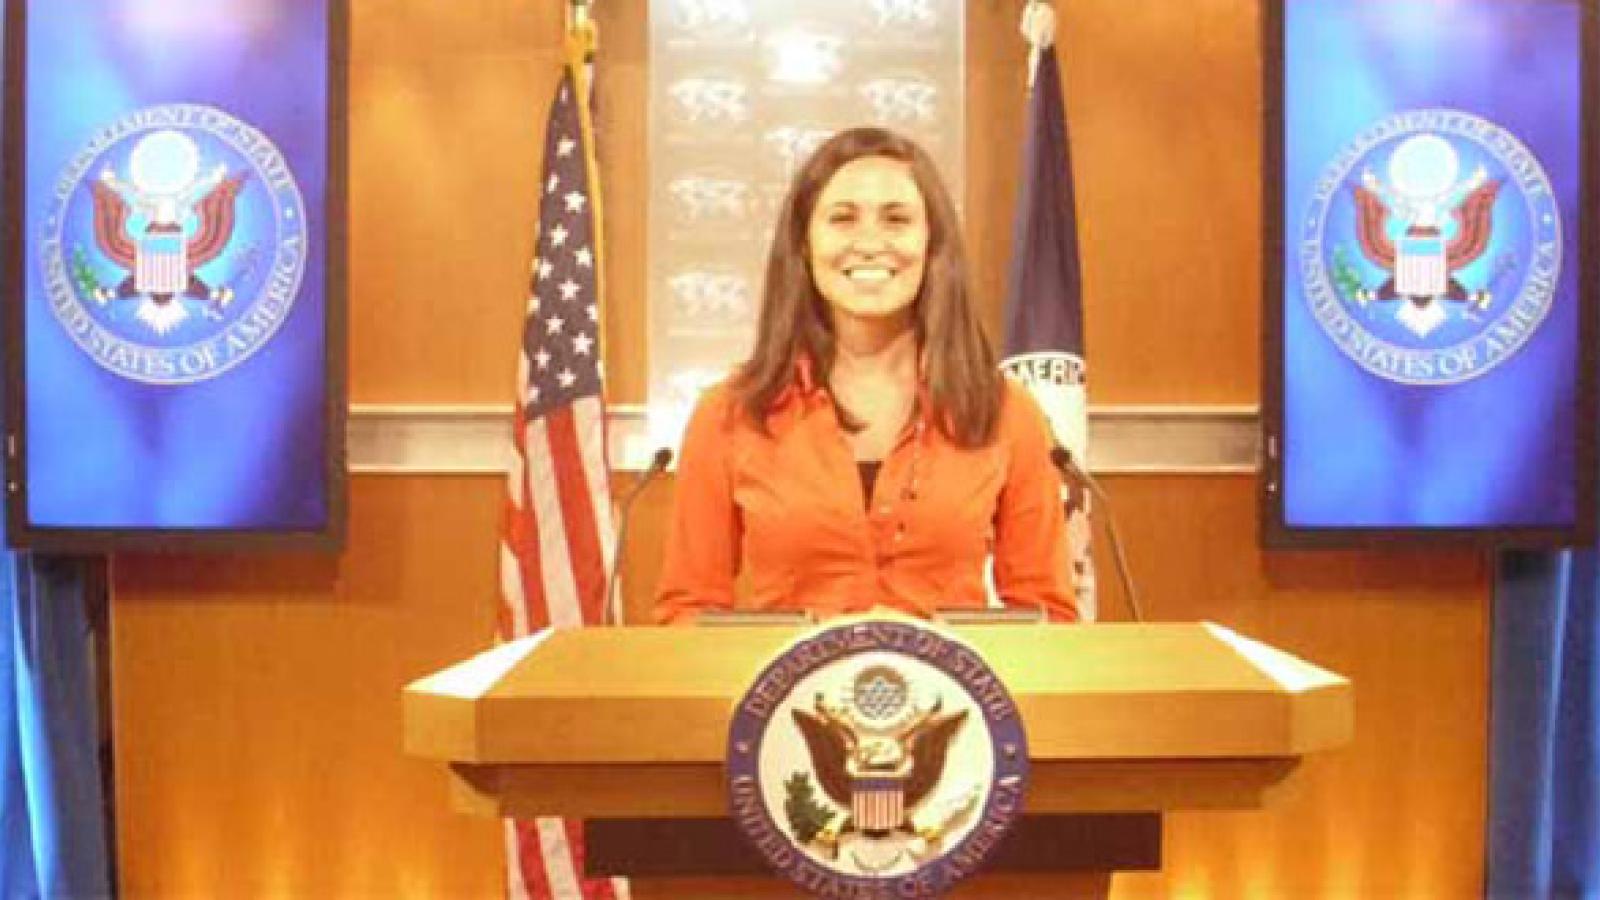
876,757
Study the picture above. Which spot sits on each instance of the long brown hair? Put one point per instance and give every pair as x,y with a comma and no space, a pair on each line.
963,384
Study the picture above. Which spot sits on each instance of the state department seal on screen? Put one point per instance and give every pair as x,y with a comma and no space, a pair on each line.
876,758
1431,248
174,244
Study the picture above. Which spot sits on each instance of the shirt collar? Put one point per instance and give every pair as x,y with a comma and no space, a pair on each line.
804,388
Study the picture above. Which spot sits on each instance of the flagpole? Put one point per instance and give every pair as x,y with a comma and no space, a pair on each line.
583,39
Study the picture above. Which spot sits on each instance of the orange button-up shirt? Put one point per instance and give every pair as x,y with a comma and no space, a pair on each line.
788,509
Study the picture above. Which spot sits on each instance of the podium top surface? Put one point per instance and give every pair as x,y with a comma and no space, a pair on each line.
665,695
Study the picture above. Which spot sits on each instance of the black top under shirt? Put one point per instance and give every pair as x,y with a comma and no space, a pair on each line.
869,477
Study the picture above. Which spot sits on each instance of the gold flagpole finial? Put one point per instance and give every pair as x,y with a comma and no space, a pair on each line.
581,31
577,14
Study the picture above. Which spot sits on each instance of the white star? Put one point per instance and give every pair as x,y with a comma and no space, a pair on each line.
542,359
566,378
581,344
564,147
569,290
535,304
555,182
554,324
533,394
558,236
593,311
545,268
575,201
539,271
585,257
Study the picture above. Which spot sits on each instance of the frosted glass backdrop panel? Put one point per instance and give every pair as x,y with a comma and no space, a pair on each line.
740,92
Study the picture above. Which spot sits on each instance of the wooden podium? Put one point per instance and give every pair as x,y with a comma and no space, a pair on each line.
628,726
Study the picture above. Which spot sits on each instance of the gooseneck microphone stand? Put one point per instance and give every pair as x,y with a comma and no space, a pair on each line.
1076,474
658,464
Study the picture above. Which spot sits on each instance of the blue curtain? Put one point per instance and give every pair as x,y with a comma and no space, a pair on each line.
1544,792
52,810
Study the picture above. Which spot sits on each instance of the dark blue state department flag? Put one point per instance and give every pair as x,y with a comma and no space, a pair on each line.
1044,300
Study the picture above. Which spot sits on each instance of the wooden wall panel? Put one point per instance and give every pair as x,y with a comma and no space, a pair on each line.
1400,812
1165,112
996,81
257,707
256,698
621,90
447,104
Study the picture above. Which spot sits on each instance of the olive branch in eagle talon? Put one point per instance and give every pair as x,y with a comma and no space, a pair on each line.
82,275
806,816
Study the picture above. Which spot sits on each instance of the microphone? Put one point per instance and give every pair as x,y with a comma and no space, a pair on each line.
1074,473
658,464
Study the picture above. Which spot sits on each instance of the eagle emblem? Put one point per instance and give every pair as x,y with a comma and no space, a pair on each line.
1439,225
879,757
175,242
878,753
1429,246
161,224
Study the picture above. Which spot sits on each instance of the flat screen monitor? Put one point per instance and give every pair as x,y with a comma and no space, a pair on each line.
174,273
1430,277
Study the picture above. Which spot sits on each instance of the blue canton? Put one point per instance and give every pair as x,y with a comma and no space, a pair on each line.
561,338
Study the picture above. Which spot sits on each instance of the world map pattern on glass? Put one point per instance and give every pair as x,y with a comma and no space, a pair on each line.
740,93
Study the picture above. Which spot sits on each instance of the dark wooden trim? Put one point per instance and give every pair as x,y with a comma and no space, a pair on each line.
1097,842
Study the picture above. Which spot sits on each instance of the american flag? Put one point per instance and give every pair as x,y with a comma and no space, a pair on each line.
557,544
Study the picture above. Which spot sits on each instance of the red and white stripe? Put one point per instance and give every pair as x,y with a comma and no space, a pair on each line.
556,549
548,855
559,536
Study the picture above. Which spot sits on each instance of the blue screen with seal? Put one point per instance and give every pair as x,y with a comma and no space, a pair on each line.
175,259
1432,184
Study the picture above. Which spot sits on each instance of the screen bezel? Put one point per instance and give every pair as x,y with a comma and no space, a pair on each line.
1276,531
23,533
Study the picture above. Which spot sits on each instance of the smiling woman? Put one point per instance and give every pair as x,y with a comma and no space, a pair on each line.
868,453
867,245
